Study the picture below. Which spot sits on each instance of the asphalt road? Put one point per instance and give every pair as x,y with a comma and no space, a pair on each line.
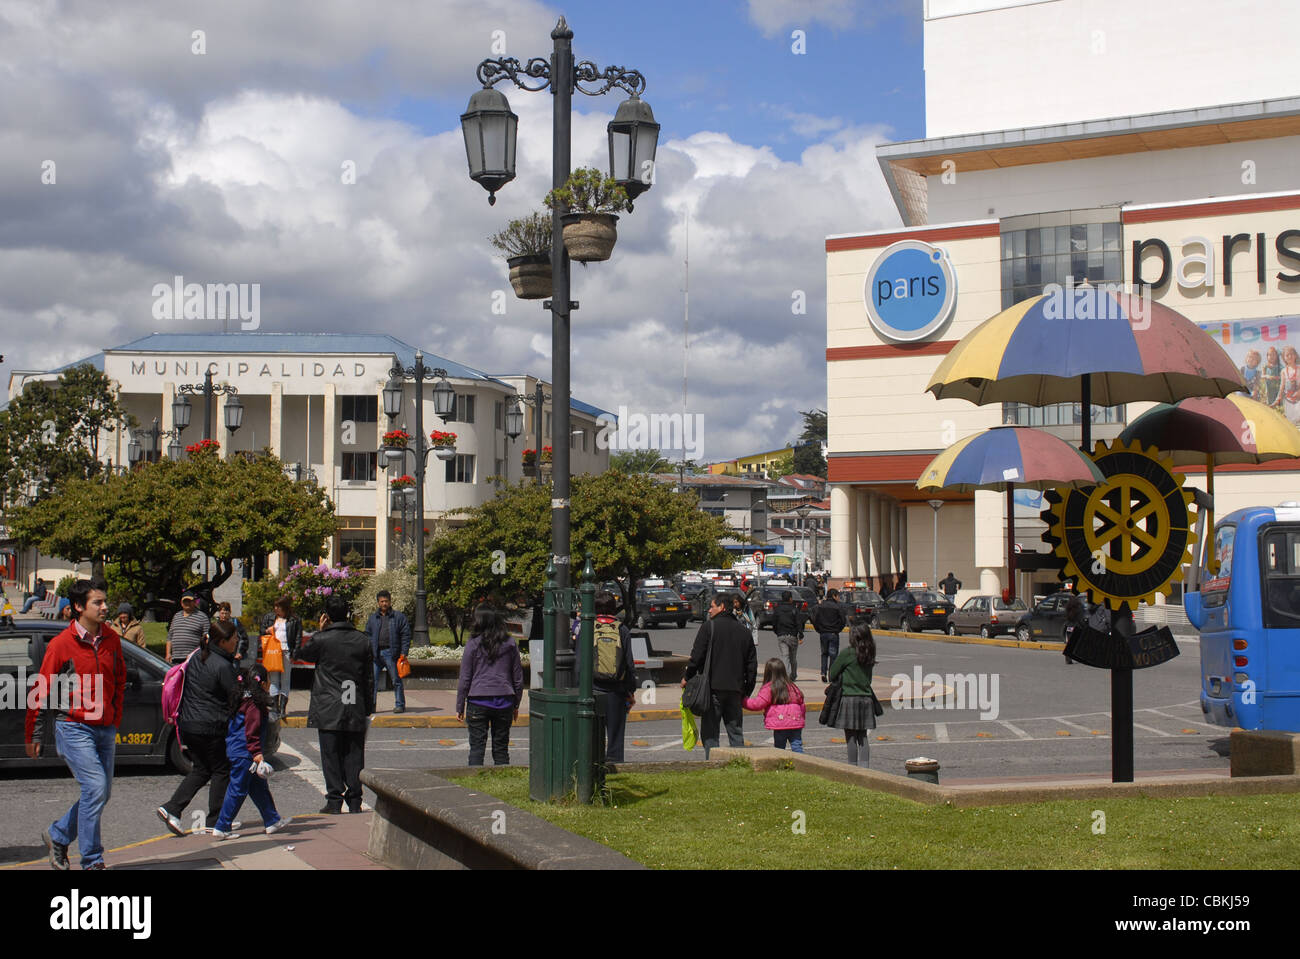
1051,719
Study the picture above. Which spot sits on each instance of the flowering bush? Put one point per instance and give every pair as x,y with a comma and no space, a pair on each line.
203,446
402,482
397,438
442,438
308,585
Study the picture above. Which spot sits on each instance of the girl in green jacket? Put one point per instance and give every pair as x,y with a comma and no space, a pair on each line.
853,668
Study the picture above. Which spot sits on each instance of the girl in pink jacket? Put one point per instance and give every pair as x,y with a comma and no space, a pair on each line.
782,705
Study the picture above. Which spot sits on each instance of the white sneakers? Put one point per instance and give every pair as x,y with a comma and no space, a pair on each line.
172,822
218,835
277,826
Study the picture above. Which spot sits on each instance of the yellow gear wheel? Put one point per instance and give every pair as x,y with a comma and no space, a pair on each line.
1125,539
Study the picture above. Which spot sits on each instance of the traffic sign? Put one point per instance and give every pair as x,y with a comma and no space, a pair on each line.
759,557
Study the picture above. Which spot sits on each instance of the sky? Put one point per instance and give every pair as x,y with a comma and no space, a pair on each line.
132,152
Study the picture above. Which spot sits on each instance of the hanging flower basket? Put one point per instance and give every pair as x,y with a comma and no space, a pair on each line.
530,276
203,446
590,237
546,454
397,438
441,438
402,482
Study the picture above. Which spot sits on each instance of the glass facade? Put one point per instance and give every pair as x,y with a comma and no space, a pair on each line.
1042,250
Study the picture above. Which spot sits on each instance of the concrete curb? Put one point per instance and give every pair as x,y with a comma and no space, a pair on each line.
767,759
970,640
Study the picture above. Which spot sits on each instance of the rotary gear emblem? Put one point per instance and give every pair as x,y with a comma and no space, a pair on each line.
1128,538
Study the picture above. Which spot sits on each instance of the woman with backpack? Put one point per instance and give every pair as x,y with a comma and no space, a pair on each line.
852,668
491,685
249,703
781,702
201,725
614,673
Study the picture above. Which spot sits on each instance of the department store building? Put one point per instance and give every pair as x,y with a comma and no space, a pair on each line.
1123,143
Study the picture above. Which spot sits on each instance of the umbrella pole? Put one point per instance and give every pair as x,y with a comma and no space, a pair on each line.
1212,563
1011,541
1086,401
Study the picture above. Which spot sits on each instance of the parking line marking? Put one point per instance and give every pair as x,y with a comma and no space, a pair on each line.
668,745
1066,722
1151,729
1183,719
941,732
1020,733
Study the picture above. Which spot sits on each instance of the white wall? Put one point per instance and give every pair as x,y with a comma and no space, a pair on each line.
1061,60
1156,177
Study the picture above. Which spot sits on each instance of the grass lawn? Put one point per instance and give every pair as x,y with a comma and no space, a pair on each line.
736,818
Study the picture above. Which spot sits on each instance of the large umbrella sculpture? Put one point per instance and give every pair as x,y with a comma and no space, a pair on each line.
1005,457
1086,344
1234,429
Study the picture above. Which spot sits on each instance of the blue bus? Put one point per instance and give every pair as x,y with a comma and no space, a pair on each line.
1246,605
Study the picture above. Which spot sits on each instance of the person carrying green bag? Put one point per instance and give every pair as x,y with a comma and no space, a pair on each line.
689,736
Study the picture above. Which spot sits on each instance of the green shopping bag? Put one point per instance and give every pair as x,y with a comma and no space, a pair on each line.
689,735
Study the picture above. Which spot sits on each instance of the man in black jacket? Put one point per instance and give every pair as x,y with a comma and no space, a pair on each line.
733,669
342,699
787,623
618,690
828,620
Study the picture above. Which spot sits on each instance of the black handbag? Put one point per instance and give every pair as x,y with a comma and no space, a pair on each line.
831,706
876,709
697,696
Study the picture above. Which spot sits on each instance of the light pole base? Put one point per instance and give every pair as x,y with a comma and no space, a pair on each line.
553,744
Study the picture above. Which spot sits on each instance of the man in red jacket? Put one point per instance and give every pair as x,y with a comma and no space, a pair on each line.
77,702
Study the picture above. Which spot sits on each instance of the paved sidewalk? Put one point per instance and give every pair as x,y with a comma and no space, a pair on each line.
307,842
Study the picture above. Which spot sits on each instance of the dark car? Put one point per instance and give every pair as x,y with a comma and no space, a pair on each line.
914,610
142,737
987,615
764,599
861,605
657,605
1046,621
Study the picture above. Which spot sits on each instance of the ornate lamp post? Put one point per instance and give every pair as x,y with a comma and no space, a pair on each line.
515,421
181,405
444,401
489,128
135,450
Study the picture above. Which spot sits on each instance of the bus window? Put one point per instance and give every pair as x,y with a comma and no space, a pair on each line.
1215,586
1280,559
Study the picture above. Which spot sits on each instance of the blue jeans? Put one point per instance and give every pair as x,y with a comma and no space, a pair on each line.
31,601
792,736
830,649
387,659
244,783
88,751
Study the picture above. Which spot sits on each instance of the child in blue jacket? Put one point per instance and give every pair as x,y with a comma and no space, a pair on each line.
249,702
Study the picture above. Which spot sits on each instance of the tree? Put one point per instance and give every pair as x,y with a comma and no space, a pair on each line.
640,461
782,467
50,433
808,448
631,524
161,523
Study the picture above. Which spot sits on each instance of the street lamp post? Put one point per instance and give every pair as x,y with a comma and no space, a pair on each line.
444,401
936,505
515,422
181,405
490,129
803,512
135,449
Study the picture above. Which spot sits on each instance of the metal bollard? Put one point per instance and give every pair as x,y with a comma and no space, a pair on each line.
926,770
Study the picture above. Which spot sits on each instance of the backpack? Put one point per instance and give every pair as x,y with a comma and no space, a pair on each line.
607,650
172,690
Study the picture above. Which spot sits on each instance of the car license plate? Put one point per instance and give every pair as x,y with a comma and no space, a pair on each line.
939,609
672,609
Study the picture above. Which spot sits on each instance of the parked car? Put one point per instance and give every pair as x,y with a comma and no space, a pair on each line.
914,610
861,605
1046,620
658,605
987,615
142,737
763,600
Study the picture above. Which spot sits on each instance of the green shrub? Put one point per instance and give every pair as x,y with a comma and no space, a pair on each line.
588,190
529,236
65,584
400,582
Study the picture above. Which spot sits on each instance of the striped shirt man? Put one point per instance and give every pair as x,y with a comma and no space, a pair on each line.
186,631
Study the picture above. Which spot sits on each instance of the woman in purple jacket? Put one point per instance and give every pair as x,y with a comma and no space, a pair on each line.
492,684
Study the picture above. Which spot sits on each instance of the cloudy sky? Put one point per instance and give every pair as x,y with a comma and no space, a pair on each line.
222,159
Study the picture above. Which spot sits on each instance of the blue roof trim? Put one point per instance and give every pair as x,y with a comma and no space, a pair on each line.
97,361
296,343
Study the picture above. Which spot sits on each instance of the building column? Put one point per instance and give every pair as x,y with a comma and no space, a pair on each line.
902,539
383,529
329,457
886,536
862,547
842,520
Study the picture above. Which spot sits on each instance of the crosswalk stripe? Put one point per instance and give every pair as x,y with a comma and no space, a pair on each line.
1020,733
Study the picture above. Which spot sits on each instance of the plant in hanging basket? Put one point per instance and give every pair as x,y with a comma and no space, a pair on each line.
546,454
526,245
529,457
203,446
589,201
402,482
442,438
397,438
